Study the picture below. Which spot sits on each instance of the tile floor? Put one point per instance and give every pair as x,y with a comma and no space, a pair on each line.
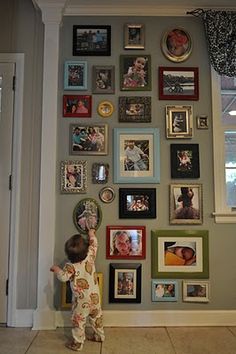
152,340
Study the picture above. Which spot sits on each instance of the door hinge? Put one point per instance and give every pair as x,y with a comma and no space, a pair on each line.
13,83
10,183
7,287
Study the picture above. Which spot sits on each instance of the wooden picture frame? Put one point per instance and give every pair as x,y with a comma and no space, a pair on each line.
103,79
179,122
135,109
196,291
73,176
79,106
135,73
134,36
107,194
176,44
87,212
137,203
75,75
184,160
164,290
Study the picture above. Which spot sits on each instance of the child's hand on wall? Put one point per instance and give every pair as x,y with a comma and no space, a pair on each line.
55,269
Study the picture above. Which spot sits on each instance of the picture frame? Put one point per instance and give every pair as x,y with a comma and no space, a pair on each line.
66,293
125,283
179,122
88,139
135,73
134,36
135,109
202,122
103,79
75,75
178,83
184,160
176,44
196,291
166,261
137,203
73,176
105,109
100,172
91,40
186,204
107,195
79,106
164,290
87,212
145,142
125,242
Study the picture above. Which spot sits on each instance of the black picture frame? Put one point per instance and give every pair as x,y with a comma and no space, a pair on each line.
137,203
125,283
185,160
91,40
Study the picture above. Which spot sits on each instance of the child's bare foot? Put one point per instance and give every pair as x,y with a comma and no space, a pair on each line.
95,337
76,346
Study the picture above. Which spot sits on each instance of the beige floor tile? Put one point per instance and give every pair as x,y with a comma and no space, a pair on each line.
136,341
205,340
15,340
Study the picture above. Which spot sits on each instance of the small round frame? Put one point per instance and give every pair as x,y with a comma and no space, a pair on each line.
105,109
87,212
107,194
176,44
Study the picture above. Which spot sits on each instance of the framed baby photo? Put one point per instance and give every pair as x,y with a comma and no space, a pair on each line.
136,153
184,160
126,242
179,122
103,79
135,109
135,73
186,204
196,291
137,203
88,139
87,214
107,194
77,106
73,176
178,83
125,283
91,40
176,44
179,254
100,172
164,290
75,75
134,36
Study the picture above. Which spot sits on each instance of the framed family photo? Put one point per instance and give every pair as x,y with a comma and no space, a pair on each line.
75,75
135,109
135,73
103,79
87,212
79,106
184,160
176,44
179,122
126,242
134,36
136,154
164,290
91,40
125,283
137,203
180,254
73,176
178,83
196,291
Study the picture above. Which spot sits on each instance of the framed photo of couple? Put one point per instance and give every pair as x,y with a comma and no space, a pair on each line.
164,290
137,203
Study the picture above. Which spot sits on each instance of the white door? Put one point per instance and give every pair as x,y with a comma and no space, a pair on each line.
6,129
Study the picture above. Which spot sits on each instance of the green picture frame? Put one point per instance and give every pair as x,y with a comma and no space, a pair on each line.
165,265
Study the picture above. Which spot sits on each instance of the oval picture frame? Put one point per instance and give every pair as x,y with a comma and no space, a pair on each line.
105,109
87,210
176,44
107,194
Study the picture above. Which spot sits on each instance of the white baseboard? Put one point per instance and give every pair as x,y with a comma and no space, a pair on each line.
21,318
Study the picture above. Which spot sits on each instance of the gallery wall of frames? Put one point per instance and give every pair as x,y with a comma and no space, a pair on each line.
134,143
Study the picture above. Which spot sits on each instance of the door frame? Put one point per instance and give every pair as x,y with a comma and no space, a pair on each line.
18,60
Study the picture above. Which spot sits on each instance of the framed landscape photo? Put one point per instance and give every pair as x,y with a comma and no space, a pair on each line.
136,154
184,160
125,283
180,254
134,36
87,212
91,40
75,75
179,122
103,79
196,291
178,83
186,204
135,109
77,106
135,73
164,290
176,44
137,203
73,176
126,242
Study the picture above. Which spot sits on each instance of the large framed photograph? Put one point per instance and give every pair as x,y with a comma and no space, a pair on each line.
73,176
164,290
75,75
179,122
178,83
137,203
103,79
79,106
91,40
87,214
176,44
88,139
184,160
180,254
126,242
135,109
136,154
134,36
125,282
186,204
135,73
196,291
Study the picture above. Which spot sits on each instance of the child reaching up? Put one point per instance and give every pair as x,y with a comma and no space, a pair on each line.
81,273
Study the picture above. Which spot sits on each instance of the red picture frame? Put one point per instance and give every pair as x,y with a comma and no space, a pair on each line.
125,242
77,106
178,83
